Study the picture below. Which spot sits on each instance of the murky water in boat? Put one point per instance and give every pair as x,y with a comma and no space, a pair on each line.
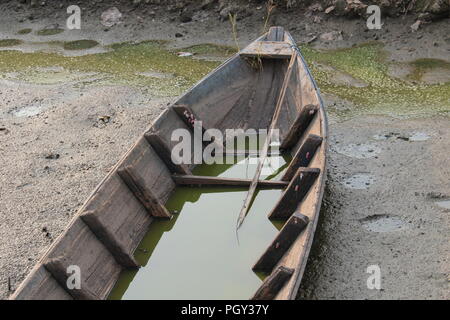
197,254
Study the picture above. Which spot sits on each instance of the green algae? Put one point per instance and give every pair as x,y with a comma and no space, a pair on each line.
80,44
129,63
426,64
123,64
49,32
383,94
211,49
10,42
24,31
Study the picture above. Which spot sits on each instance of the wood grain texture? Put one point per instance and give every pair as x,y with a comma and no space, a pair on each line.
273,284
138,187
40,285
299,126
282,242
298,188
165,154
303,156
275,33
80,247
122,254
268,50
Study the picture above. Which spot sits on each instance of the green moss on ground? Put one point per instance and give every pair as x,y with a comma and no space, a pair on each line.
383,94
10,42
24,31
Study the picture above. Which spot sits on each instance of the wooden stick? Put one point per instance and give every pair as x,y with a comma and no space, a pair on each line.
232,182
137,186
299,126
303,156
298,188
109,239
282,242
273,284
250,195
164,152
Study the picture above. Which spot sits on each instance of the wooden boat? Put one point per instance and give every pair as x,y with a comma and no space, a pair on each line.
267,77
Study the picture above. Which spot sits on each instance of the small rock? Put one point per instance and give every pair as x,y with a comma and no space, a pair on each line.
111,17
316,7
178,35
436,195
186,17
317,19
312,39
416,25
331,36
52,156
104,119
329,9
184,54
207,4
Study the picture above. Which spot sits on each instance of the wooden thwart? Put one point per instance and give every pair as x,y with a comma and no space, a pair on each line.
299,186
273,284
215,181
299,126
303,156
283,241
109,240
268,50
137,186
164,152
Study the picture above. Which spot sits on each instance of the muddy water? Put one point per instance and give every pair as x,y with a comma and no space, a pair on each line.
197,254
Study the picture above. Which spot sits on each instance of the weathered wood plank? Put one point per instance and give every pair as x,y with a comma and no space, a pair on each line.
298,188
217,181
303,156
275,33
58,268
165,153
282,242
137,186
273,284
122,255
267,50
187,115
40,285
292,103
80,247
299,126
191,120
166,127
